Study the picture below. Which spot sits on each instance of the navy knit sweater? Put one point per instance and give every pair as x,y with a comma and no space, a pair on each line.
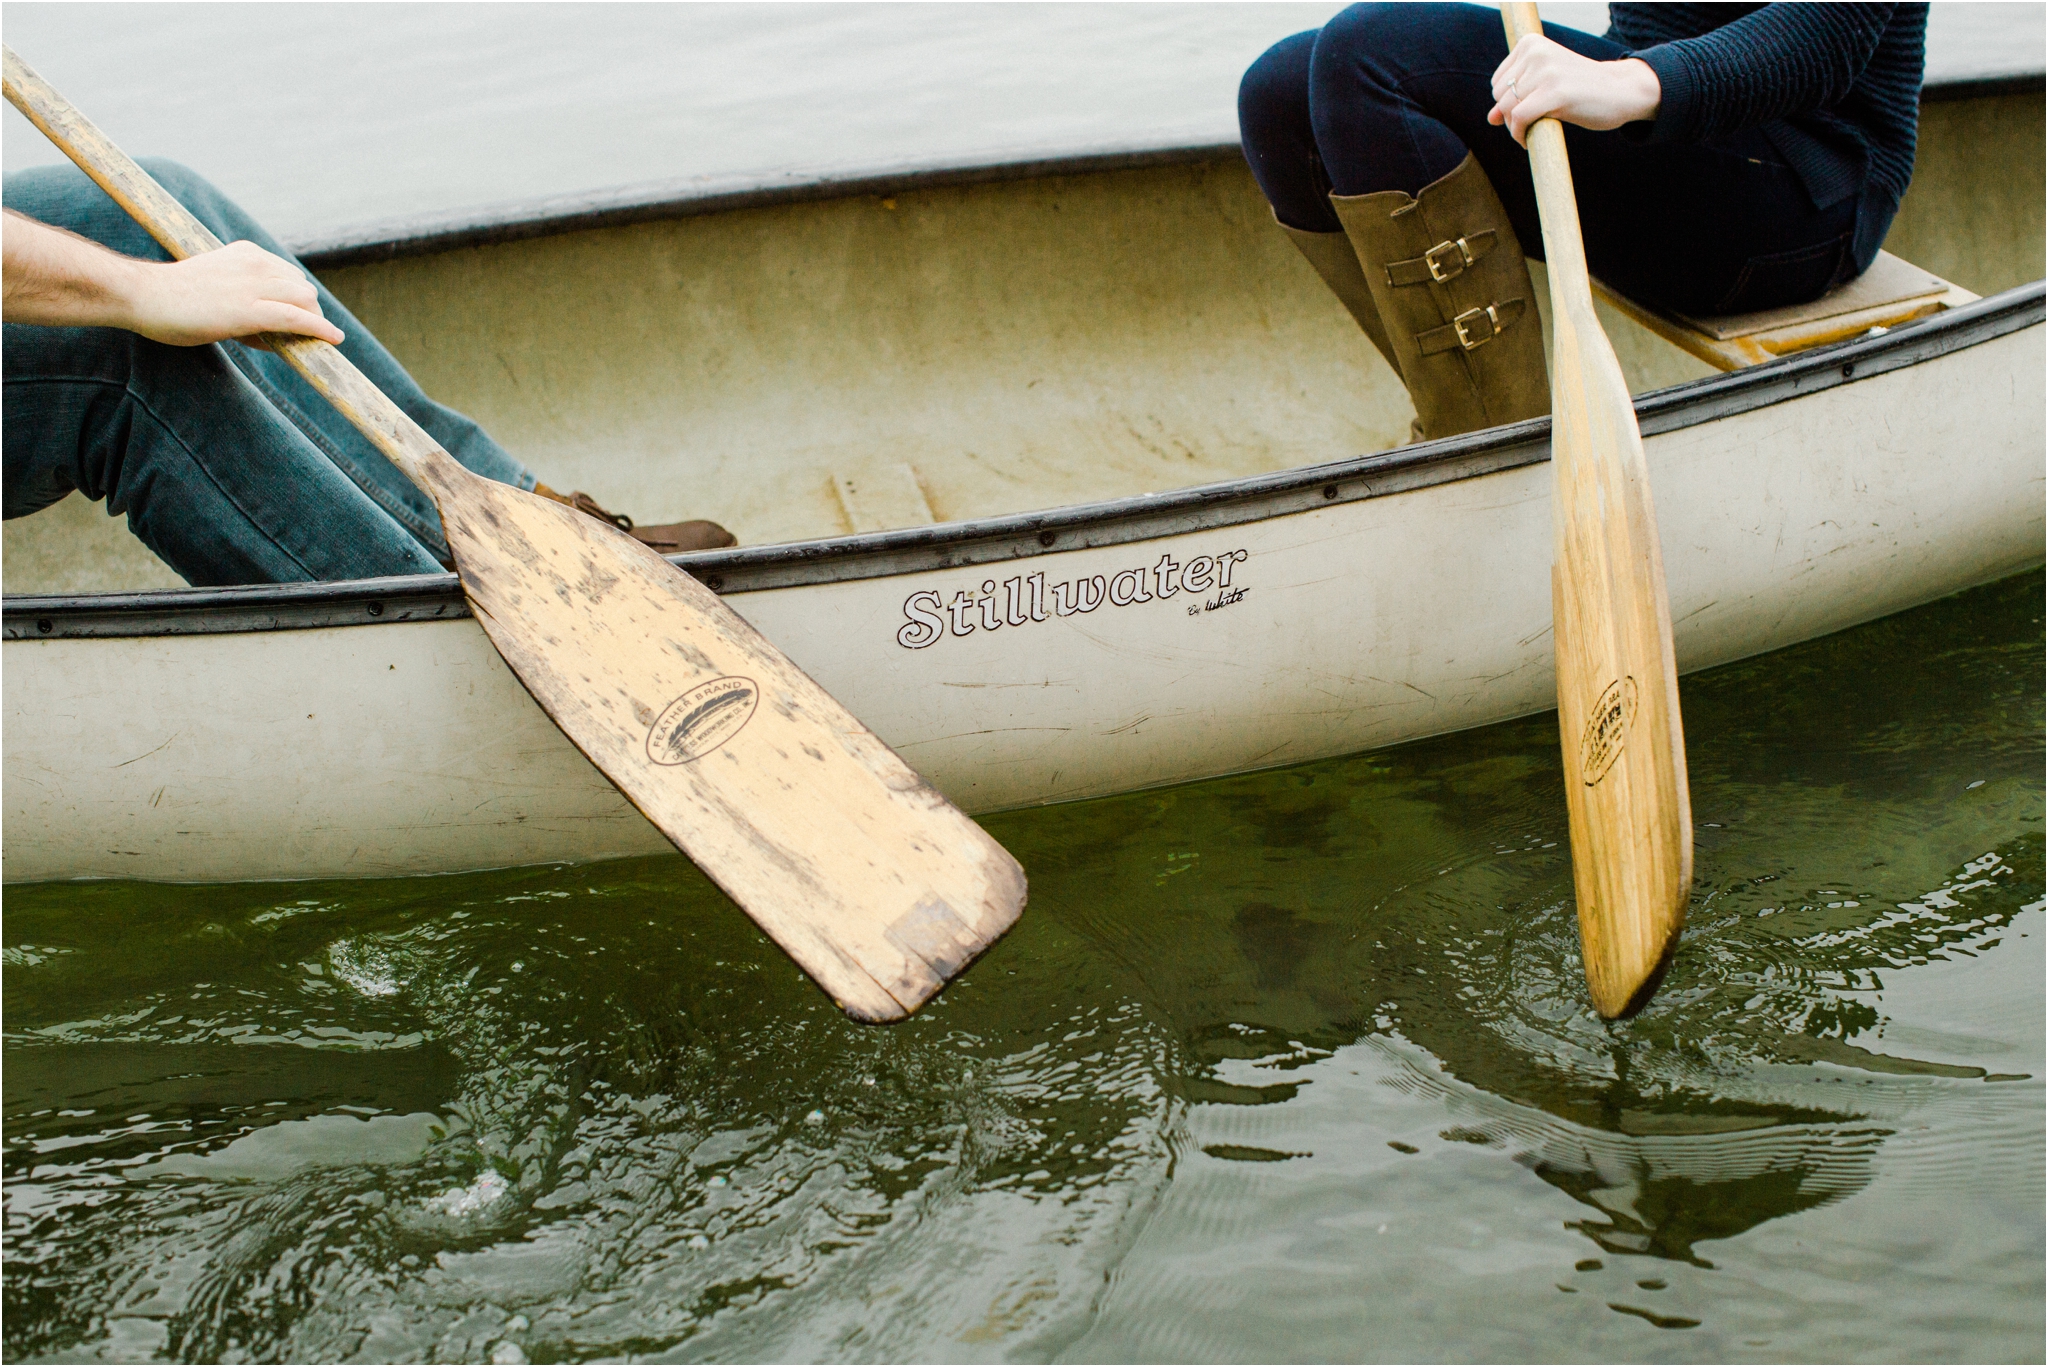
1836,88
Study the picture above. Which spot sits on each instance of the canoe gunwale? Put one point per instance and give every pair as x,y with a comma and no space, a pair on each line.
1984,87
692,196
1017,536
696,196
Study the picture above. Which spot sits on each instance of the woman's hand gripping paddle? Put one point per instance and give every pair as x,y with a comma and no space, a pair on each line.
872,881
1617,679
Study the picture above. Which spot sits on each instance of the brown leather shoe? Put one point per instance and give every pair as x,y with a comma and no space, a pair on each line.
670,538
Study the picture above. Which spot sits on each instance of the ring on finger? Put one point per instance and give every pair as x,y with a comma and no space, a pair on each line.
1517,89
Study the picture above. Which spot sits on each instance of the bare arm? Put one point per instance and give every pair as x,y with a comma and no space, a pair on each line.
59,279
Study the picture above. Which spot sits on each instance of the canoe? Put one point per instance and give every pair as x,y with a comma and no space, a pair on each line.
1051,472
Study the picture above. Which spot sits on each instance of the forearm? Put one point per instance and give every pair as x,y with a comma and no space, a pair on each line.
1634,93
58,279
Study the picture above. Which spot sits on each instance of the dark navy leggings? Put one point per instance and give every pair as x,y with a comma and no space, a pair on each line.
1392,96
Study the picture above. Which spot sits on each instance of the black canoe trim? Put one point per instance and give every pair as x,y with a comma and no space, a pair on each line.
432,597
694,196
691,196
1984,87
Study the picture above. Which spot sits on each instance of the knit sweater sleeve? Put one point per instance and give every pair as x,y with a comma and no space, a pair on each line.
1780,61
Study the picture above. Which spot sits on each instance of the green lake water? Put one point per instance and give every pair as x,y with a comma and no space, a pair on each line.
1296,1065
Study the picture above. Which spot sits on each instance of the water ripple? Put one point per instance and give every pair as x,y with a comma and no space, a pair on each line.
1294,1065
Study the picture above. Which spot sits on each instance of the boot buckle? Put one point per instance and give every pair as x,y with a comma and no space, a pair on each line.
1457,252
1463,321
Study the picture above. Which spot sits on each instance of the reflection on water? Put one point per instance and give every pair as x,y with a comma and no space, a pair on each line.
1296,1065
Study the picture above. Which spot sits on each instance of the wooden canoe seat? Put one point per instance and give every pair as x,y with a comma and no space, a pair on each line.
1891,292
880,496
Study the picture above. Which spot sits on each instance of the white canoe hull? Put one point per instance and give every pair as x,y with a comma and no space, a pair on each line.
1381,614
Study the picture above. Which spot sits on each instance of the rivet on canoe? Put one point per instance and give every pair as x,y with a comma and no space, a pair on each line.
375,609
1849,371
1329,491
1047,538
45,625
714,582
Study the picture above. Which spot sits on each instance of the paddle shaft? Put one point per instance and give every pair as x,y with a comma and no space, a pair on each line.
1617,675
1564,248
401,439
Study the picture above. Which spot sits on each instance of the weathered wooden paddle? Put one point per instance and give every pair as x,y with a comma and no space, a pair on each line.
1617,678
873,882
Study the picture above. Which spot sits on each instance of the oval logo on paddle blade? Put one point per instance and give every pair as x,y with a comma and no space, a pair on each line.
701,720
1607,729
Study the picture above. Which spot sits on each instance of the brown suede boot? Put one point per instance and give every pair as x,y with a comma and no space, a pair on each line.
1450,285
668,539
1337,264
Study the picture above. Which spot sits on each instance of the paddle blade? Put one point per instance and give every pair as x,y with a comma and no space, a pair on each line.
874,883
870,880
1617,678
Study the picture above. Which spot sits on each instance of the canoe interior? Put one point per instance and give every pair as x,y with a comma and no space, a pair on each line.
806,370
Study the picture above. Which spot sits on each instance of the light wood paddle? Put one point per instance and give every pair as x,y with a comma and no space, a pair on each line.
1617,678
875,884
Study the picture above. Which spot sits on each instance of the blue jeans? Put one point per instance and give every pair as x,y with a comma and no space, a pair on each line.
1392,96
228,465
